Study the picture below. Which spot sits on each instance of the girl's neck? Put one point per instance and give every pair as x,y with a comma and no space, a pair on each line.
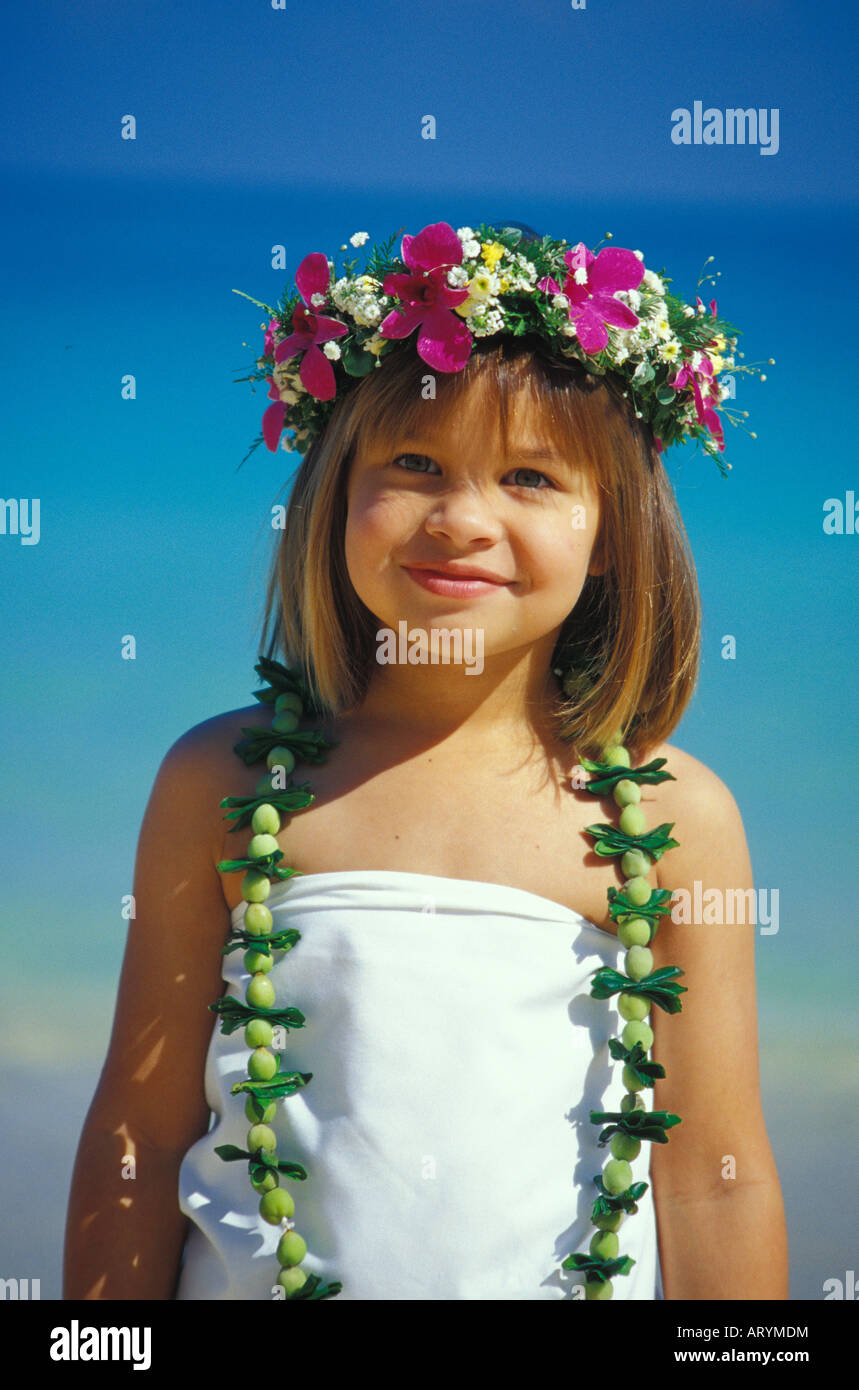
510,695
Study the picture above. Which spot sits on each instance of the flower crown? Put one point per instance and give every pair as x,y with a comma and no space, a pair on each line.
603,308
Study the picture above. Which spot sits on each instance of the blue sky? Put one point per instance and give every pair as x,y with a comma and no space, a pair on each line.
300,126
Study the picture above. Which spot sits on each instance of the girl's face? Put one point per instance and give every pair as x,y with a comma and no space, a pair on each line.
452,498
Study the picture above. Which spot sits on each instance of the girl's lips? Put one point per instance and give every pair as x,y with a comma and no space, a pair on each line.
454,588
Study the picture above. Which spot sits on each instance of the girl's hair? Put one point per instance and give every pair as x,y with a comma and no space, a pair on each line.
632,639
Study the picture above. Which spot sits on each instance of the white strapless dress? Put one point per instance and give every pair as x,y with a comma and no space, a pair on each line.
456,1053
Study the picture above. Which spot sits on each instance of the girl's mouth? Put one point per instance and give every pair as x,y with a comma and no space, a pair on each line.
451,586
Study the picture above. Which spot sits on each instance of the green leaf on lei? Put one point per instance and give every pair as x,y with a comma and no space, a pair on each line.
609,840
659,986
597,1269
235,1014
636,1059
609,775
638,1124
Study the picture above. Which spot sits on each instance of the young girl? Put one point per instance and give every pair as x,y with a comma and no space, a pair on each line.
453,895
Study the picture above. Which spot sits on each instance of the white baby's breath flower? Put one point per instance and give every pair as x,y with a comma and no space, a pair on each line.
471,249
630,297
689,311
366,312
639,254
317,300
581,276
331,350
568,329
465,233
560,301
358,238
653,282
621,354
340,292
457,276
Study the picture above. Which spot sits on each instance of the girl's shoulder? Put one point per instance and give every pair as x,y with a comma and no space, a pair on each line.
706,820
203,758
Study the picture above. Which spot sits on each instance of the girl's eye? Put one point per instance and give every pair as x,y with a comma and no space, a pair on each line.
534,474
423,458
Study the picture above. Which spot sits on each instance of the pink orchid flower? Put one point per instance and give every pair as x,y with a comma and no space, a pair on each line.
274,417
268,342
695,378
592,304
444,341
311,329
700,304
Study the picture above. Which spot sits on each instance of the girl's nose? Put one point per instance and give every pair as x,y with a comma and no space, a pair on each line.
464,516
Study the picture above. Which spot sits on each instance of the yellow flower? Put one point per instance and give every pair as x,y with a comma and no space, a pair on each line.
492,251
721,342
504,284
480,285
467,307
717,360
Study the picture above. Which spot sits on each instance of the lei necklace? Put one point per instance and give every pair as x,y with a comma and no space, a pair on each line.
450,287
635,907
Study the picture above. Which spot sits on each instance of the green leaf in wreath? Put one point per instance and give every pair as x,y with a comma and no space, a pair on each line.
356,361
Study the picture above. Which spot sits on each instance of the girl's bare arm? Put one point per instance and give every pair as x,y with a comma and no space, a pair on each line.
124,1228
719,1207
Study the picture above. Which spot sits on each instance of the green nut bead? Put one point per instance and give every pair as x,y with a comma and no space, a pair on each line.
616,1176
266,1184
265,820
288,701
259,1033
292,1279
636,1032
616,755
630,1080
633,821
635,863
610,1222
639,962
635,931
291,1248
286,722
260,993
280,757
258,1114
596,1292
257,963
256,886
637,890
632,1006
276,1205
262,1064
624,1146
261,1137
258,920
262,845
604,1245
632,1102
626,793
